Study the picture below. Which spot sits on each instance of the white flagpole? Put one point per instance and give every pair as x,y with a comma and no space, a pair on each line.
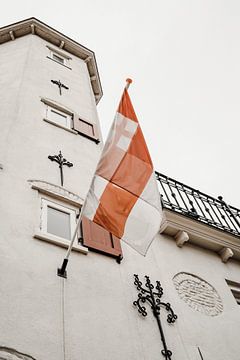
62,271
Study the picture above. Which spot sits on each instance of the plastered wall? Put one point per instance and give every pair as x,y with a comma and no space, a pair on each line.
90,314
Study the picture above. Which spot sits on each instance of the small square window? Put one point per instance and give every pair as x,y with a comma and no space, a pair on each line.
58,58
57,220
57,55
59,117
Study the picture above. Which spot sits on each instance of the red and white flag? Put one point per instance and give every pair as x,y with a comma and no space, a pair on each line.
123,197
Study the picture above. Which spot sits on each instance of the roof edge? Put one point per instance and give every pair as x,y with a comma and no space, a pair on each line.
36,27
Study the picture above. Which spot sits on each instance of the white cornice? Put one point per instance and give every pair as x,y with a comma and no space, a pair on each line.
36,27
186,230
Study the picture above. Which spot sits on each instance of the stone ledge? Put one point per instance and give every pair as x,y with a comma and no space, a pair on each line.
59,241
200,234
60,126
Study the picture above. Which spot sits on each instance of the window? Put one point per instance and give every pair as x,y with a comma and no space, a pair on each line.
64,118
235,289
58,223
57,220
59,117
59,56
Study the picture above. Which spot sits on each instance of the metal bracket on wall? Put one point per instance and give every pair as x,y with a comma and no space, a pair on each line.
61,161
153,298
60,85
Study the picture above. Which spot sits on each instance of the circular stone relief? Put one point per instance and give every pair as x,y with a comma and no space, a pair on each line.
198,294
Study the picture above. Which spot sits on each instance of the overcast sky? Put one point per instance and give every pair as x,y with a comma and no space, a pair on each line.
184,59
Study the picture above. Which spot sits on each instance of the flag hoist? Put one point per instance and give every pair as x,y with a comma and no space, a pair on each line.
123,197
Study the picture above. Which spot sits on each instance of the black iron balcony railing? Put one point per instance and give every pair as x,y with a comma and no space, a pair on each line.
190,202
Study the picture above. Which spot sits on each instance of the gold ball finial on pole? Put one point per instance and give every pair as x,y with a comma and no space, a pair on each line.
129,81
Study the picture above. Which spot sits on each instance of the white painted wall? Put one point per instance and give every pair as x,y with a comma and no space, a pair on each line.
90,315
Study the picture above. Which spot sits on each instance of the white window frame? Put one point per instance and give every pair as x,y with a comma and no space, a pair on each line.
44,217
60,199
48,106
58,58
50,109
60,55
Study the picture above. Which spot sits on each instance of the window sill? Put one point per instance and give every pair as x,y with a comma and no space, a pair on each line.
96,140
60,126
59,241
48,57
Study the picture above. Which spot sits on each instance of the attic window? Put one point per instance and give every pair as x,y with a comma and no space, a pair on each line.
61,59
58,56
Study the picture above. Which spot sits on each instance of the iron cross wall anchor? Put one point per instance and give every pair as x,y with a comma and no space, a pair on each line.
153,298
61,162
60,85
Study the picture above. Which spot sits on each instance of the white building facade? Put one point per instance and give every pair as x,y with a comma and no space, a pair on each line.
50,143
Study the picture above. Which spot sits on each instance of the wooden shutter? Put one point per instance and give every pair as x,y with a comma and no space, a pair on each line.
85,128
97,238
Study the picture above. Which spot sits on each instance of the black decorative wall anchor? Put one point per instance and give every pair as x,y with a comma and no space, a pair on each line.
153,298
60,85
61,161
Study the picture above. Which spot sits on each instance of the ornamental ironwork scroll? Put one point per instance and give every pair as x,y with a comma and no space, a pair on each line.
153,296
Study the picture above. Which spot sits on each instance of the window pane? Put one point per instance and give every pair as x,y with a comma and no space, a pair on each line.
58,58
59,118
58,223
